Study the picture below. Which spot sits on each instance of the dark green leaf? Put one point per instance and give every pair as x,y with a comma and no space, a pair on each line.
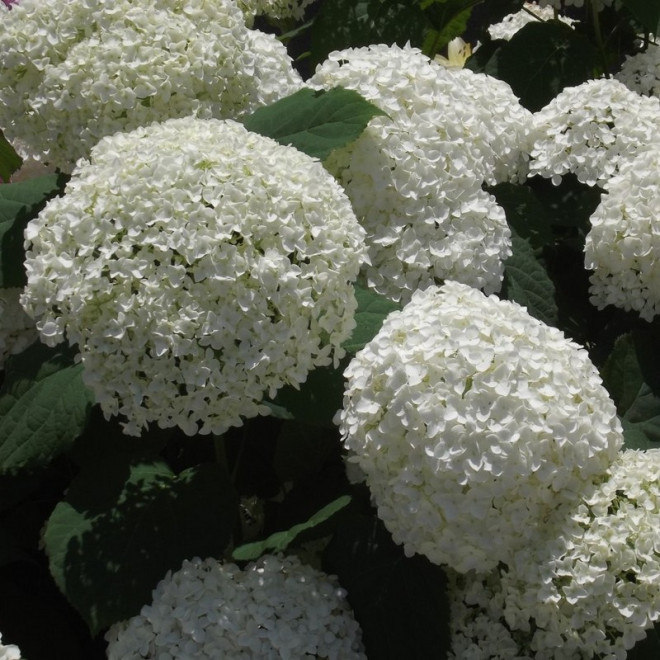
280,541
10,161
43,407
122,526
399,601
622,375
315,122
525,214
539,61
371,312
641,422
527,282
353,23
448,19
647,13
316,401
19,203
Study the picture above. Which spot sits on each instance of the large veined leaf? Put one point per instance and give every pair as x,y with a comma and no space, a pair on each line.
43,406
527,282
19,202
122,526
279,541
314,121
641,422
621,373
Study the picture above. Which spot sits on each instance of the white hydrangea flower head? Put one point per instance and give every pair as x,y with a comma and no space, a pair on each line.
530,13
474,423
277,9
641,72
594,589
77,71
477,112
591,129
414,177
9,651
622,247
198,267
17,329
276,608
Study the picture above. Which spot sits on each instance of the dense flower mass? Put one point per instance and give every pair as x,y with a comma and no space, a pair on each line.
622,247
591,129
530,13
74,72
474,424
17,329
198,267
415,176
276,608
589,589
641,71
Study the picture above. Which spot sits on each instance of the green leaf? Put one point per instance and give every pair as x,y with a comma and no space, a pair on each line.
448,19
19,203
527,282
279,541
621,373
314,121
641,422
10,161
122,526
372,310
539,61
525,213
43,407
377,575
647,13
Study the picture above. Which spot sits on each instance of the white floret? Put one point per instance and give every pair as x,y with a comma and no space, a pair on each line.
622,246
275,609
9,651
474,424
531,12
199,268
74,72
591,129
641,72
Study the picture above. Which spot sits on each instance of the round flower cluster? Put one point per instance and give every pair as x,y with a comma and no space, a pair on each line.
474,424
17,329
9,651
74,72
530,13
414,177
622,246
591,129
641,72
276,608
197,266
277,9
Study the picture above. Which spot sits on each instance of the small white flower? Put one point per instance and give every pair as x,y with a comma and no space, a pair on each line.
9,651
276,608
591,129
199,267
277,9
474,424
641,71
